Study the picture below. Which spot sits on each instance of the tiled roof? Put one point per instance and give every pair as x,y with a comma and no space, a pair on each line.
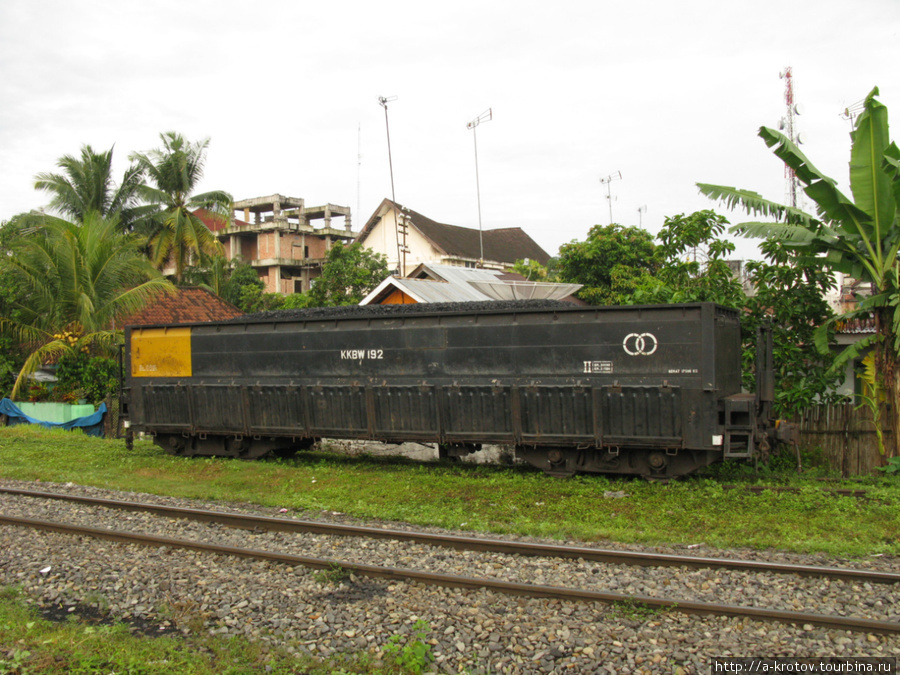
506,245
216,222
855,326
186,305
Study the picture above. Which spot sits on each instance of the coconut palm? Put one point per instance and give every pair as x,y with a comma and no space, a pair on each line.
79,279
178,234
86,184
859,237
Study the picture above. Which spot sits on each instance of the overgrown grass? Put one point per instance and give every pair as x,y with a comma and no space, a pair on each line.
485,498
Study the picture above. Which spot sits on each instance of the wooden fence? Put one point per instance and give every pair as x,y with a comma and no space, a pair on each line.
846,436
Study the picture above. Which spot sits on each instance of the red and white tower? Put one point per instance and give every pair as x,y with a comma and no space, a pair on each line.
788,126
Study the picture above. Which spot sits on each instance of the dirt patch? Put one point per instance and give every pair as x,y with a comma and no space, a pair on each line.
65,612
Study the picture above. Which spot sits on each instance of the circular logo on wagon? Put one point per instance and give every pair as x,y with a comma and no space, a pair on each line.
640,344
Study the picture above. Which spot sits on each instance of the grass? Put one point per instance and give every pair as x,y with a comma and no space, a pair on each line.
486,498
460,496
30,644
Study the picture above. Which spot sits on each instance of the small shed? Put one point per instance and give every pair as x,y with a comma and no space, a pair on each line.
448,283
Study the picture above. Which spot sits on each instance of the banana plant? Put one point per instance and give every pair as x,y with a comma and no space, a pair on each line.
858,236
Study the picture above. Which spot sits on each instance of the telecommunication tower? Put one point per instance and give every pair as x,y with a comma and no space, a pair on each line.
789,127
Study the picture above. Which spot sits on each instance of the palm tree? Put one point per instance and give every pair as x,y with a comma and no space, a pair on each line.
859,237
86,184
79,280
178,233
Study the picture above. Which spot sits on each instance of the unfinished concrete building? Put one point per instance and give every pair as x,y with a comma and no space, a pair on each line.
284,240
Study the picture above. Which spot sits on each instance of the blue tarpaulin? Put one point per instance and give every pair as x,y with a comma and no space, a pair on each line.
91,424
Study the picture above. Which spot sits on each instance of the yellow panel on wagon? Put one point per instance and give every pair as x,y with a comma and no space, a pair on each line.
161,352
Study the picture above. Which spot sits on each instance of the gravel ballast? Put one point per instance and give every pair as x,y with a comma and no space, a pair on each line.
474,630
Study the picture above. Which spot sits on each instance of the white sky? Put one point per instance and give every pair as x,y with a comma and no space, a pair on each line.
669,93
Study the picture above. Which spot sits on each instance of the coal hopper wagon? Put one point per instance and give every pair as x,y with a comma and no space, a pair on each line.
647,390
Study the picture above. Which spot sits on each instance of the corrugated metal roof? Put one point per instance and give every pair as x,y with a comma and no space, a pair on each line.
446,283
524,290
461,275
428,290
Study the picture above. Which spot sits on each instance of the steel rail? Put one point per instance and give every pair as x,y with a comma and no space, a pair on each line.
446,580
610,556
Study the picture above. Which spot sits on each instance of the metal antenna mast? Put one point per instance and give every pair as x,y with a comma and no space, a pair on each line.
787,125
401,258
606,181
486,116
358,165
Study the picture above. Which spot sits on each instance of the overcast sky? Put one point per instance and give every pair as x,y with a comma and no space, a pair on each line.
667,93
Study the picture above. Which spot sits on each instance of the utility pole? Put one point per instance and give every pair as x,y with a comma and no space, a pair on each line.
486,116
401,249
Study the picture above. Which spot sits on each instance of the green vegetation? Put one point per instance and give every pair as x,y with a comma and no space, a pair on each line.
30,644
859,237
611,263
689,265
489,498
350,274
176,232
75,280
332,575
411,654
636,611
86,186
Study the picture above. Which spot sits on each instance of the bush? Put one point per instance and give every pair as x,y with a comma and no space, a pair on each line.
80,375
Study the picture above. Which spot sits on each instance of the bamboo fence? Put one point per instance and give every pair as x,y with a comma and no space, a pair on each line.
846,436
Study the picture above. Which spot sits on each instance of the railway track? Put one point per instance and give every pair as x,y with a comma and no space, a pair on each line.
283,525
609,556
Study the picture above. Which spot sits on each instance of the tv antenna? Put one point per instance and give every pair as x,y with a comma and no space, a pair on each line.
486,116
606,181
852,111
401,252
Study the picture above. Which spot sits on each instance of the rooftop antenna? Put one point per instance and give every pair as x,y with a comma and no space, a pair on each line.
606,181
787,125
358,164
401,259
852,111
486,116
641,211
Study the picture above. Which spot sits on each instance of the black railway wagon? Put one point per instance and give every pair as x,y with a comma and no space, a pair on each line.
648,390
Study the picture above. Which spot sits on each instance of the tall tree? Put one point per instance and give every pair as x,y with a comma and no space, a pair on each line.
177,234
348,275
858,237
86,184
11,297
78,280
789,295
610,263
692,265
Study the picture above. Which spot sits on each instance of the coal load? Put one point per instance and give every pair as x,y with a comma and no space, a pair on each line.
377,311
